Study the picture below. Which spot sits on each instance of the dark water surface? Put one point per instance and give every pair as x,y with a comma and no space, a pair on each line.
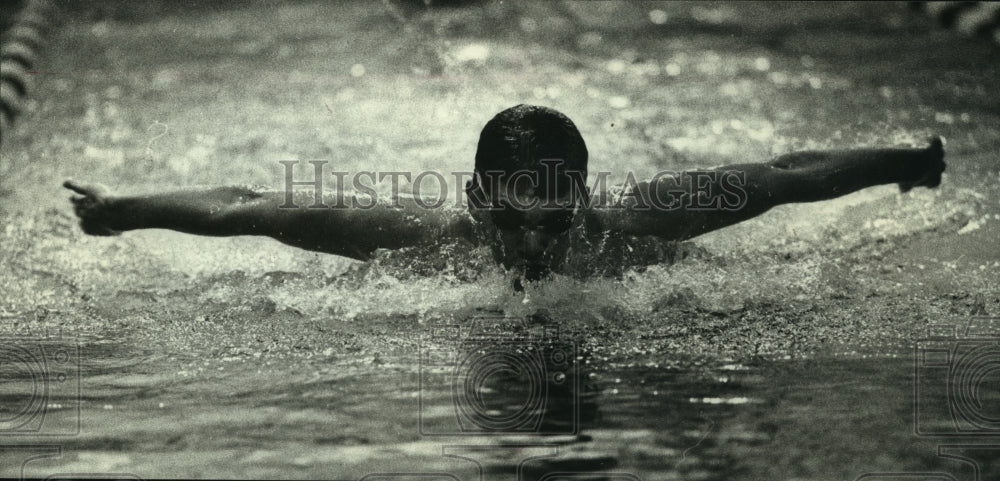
826,418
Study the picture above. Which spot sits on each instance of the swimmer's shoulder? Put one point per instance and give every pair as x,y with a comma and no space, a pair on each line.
601,219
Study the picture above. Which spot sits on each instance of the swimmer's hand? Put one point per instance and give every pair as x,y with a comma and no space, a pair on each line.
91,204
933,165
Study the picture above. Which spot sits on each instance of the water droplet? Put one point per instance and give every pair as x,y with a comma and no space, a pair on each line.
619,102
944,118
475,52
658,16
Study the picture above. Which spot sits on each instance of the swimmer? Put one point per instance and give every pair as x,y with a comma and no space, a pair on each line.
527,196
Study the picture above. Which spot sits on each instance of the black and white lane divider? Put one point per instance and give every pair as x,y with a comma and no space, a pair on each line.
19,50
970,19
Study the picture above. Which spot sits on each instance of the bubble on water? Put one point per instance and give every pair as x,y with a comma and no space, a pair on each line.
616,66
722,400
619,102
657,16
709,66
730,89
762,133
644,69
672,69
474,53
762,64
780,78
944,118
100,29
110,157
357,70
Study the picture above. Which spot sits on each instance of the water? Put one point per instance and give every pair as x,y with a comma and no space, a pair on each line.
697,419
696,370
780,348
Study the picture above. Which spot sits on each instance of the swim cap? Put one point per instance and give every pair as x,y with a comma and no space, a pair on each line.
520,139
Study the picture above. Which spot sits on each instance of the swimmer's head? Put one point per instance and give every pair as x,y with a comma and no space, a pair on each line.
530,177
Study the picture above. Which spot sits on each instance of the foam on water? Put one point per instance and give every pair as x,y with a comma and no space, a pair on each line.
720,272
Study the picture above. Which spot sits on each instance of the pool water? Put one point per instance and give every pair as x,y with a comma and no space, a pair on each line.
786,347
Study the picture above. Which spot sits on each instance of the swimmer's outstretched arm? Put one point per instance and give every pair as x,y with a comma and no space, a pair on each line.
806,176
354,232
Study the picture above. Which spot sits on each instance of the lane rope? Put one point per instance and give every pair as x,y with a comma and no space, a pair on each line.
969,19
20,47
